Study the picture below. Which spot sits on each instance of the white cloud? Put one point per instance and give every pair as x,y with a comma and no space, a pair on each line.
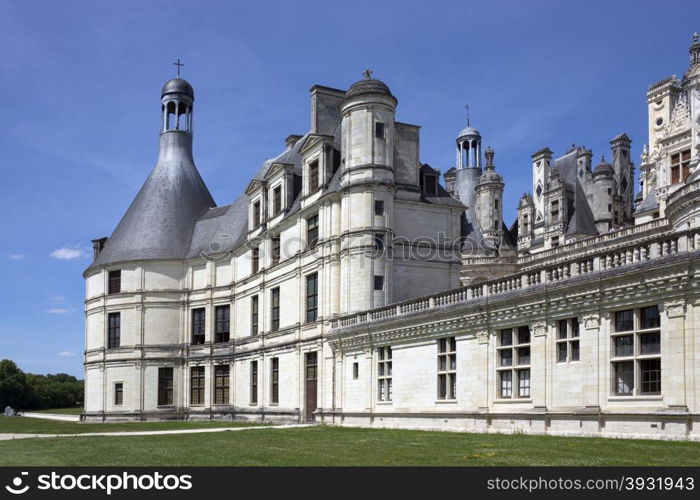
58,310
16,256
67,253
66,354
56,298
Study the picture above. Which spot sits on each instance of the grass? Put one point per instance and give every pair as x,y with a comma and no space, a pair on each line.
26,425
61,411
323,445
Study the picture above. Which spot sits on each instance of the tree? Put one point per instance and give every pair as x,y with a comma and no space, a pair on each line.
15,391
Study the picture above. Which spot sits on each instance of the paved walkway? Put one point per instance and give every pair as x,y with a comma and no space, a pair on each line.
6,437
51,416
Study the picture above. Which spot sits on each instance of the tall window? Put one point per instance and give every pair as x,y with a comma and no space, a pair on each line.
312,231
113,330
384,389
275,309
197,385
274,381
680,166
253,382
198,325
513,362
567,340
636,352
119,394
277,200
221,384
256,214
276,249
311,297
255,259
430,184
447,368
379,241
378,207
378,283
223,323
313,176
254,315
379,130
115,281
165,386
555,211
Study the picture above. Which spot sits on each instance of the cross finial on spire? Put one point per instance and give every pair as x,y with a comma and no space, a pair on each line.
367,74
466,106
178,64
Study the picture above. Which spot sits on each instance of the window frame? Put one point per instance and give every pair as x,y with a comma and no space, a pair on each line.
447,369
198,326
166,386
222,323
634,327
379,207
222,384
114,330
254,315
197,385
275,309
274,381
314,176
114,281
568,340
520,338
384,374
277,200
311,297
118,393
254,382
312,232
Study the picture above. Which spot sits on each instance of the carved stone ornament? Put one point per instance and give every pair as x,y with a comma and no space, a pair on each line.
675,308
539,328
591,322
482,336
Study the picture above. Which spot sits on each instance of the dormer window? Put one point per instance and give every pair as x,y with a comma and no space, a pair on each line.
256,214
379,130
313,176
430,184
277,200
555,211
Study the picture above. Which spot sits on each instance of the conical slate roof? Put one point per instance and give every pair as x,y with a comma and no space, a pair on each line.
160,220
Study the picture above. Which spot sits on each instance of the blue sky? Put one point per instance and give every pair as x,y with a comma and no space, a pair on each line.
80,82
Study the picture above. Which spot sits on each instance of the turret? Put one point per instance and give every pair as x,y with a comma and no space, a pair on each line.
623,169
526,210
489,199
603,194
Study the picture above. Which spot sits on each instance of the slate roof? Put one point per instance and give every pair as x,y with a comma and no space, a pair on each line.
581,219
649,203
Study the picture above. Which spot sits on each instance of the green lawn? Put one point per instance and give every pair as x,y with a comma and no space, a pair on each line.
61,411
344,446
26,425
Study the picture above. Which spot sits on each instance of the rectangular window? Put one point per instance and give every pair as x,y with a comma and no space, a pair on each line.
680,166
256,214
253,382
255,260
378,207
313,176
118,394
113,330
197,385
495,203
276,249
312,231
275,309
447,368
384,374
221,384
115,281
165,386
555,211
636,353
311,297
430,184
274,381
379,242
513,355
356,370
198,325
567,344
277,200
378,283
254,314
379,130
223,323
555,241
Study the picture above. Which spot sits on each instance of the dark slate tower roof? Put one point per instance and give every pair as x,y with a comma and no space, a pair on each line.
160,220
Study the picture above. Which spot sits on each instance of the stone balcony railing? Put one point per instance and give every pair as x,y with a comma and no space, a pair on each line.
655,240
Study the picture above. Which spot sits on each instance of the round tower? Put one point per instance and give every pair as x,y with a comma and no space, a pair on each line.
489,199
603,195
367,159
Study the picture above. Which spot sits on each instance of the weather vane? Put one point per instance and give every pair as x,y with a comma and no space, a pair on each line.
368,74
178,64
